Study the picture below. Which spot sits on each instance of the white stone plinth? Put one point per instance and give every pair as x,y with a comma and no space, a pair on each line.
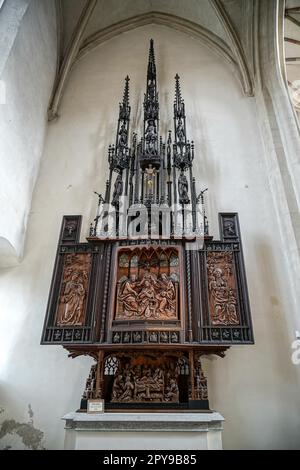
144,431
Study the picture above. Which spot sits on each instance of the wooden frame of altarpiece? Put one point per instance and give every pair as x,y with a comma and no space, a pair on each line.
147,309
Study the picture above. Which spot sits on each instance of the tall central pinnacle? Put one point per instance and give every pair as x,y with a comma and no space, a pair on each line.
151,74
151,105
150,147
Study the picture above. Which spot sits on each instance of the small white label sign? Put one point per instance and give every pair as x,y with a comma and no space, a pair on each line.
95,406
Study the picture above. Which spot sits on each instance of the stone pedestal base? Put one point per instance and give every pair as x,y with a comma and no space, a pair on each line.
144,431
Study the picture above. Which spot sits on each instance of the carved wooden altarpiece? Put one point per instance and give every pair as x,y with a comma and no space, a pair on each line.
150,292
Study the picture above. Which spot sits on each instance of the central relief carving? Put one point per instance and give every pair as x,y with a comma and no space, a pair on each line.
147,287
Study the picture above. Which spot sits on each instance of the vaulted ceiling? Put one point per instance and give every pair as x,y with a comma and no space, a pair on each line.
107,13
224,25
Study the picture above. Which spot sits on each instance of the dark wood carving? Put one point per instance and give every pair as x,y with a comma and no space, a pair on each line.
144,378
143,296
90,386
229,226
70,230
147,284
222,288
74,289
200,381
147,298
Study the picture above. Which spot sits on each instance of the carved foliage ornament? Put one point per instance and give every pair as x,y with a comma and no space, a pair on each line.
73,293
200,381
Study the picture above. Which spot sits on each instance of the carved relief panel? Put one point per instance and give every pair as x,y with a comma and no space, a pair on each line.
223,304
147,285
74,288
144,378
70,229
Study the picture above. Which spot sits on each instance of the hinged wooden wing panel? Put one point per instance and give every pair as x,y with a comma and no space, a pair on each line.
70,311
225,311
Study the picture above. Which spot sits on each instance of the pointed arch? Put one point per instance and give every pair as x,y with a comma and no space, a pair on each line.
177,23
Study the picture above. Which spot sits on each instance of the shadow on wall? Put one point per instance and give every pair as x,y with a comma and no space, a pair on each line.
13,432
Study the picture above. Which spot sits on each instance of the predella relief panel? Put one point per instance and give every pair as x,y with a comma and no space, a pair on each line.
148,378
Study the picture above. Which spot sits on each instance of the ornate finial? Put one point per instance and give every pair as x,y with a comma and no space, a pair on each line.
151,75
182,147
119,155
126,92
178,98
124,106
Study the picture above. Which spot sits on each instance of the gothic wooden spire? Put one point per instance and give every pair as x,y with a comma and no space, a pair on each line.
182,148
151,74
118,155
178,98
150,148
151,106
124,106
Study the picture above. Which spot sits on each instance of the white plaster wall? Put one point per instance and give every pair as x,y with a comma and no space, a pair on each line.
256,388
27,74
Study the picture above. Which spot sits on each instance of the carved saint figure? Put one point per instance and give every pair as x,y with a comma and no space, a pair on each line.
137,338
167,296
151,137
122,136
224,306
118,387
183,188
73,300
172,391
150,178
128,389
163,337
180,132
147,300
128,296
116,338
118,190
229,228
174,337
70,227
150,132
153,337
126,338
